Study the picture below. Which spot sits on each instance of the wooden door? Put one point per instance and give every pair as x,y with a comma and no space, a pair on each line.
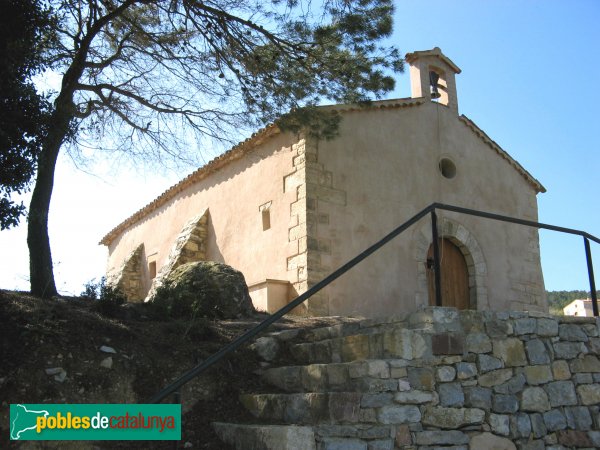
455,276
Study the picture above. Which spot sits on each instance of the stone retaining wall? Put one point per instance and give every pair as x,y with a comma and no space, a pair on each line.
444,379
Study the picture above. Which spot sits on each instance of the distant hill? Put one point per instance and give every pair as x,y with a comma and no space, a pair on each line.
557,300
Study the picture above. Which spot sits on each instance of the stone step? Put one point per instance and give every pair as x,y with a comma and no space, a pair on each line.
394,343
266,437
305,408
345,327
419,334
357,376
294,437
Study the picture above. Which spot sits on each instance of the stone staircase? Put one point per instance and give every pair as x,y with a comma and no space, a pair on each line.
433,379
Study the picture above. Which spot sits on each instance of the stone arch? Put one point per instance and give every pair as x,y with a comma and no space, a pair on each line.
460,236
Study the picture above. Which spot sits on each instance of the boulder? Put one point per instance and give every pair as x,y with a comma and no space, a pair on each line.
204,289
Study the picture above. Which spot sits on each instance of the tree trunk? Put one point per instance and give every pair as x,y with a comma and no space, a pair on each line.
41,274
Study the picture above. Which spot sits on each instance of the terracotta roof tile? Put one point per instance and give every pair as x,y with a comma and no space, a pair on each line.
233,154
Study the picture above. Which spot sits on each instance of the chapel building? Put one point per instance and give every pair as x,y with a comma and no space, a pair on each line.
288,209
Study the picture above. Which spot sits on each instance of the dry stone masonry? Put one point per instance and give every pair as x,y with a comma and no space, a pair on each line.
128,278
434,379
190,246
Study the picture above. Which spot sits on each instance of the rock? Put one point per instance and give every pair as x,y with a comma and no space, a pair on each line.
488,363
538,374
204,289
465,370
547,327
381,444
392,414
574,439
510,351
281,437
403,436
478,397
595,437
589,393
500,424
582,378
568,350
538,427
451,394
555,420
525,325
61,376
512,386
414,397
452,418
378,369
560,370
403,385
107,363
495,377
535,399
503,403
520,425
478,343
537,352
107,349
449,437
421,378
54,370
490,441
446,373
379,400
533,445
588,363
266,347
572,332
497,328
561,393
188,445
578,418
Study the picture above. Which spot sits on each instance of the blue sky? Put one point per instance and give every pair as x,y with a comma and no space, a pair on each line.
529,80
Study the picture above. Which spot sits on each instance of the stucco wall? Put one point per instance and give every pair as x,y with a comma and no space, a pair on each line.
386,163
329,200
233,195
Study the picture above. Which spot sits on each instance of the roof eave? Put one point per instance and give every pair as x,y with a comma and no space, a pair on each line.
504,154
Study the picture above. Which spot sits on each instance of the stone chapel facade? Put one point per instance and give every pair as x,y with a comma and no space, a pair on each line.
286,210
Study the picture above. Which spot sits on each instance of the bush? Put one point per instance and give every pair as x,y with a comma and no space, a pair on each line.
108,297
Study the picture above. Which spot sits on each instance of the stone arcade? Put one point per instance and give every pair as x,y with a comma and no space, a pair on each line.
287,209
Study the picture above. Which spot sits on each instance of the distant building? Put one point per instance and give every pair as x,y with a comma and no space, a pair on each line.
288,209
582,307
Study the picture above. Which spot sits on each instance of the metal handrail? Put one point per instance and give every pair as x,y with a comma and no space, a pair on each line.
174,387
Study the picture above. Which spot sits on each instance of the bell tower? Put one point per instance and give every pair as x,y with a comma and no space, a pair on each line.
432,76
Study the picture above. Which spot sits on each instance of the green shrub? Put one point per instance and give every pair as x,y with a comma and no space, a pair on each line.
108,298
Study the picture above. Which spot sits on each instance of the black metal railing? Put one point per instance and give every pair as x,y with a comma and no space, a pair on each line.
175,386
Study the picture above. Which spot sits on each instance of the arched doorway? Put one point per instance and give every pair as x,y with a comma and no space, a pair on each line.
455,276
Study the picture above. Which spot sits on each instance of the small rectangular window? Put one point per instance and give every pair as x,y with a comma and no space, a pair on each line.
265,211
152,269
266,219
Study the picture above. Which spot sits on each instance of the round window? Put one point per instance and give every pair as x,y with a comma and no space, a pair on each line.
447,168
